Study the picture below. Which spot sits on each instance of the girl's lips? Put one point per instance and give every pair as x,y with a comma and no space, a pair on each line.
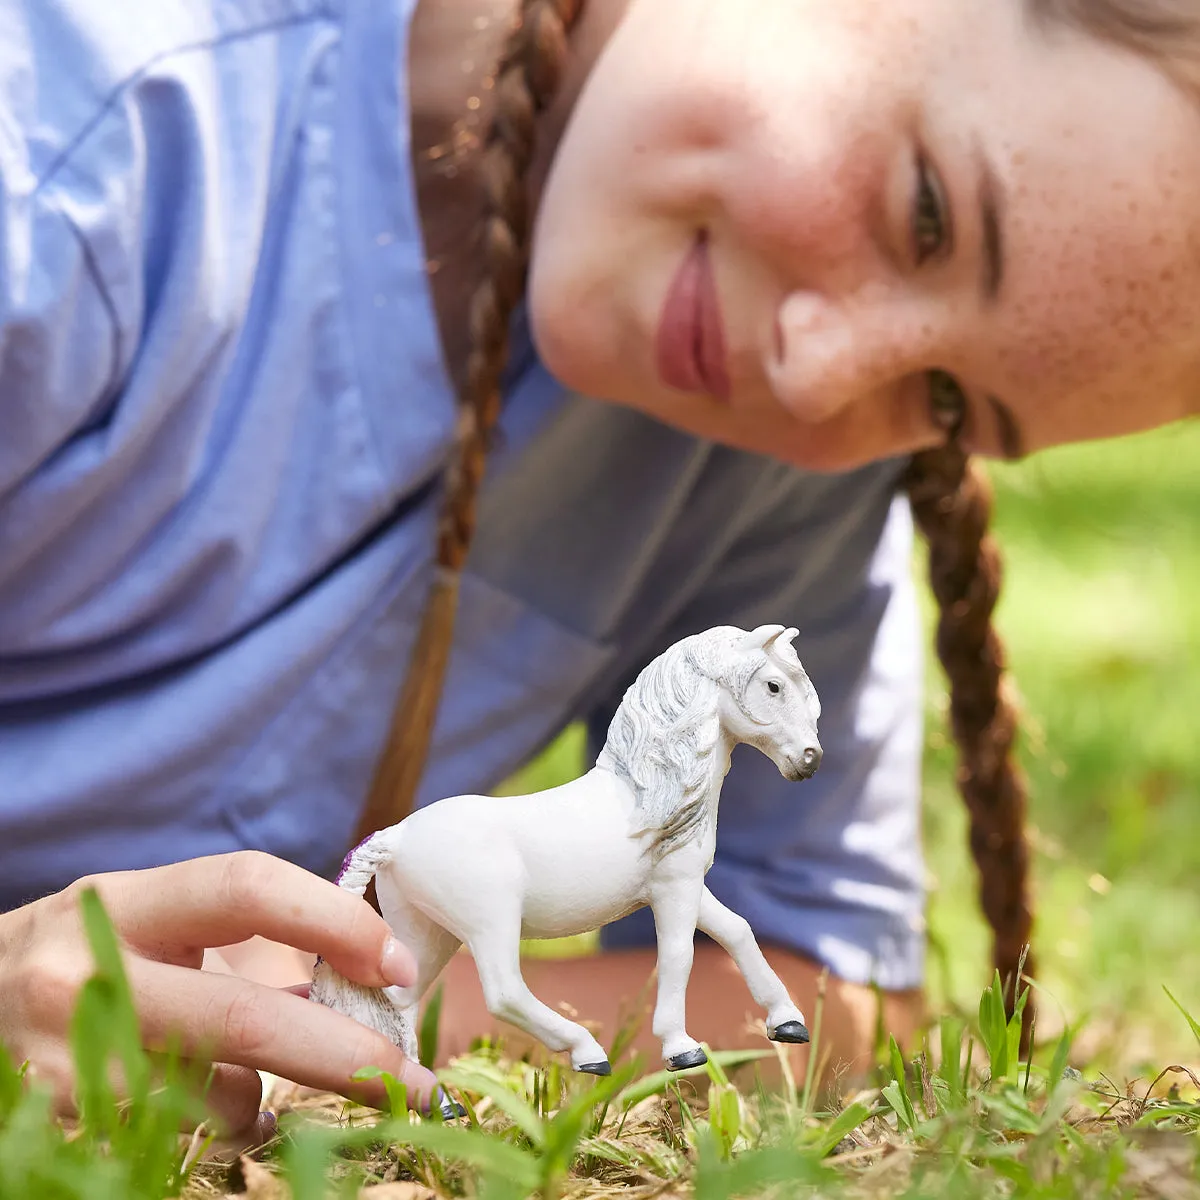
691,336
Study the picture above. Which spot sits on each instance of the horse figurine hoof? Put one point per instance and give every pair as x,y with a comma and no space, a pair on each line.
451,1110
792,1032
687,1060
596,1068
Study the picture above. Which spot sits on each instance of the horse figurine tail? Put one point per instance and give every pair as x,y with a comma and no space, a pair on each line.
387,1010
362,864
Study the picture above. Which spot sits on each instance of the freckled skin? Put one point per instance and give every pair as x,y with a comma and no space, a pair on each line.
788,130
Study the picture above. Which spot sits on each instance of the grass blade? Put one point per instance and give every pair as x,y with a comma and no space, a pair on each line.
657,1083
1186,1015
901,1082
846,1122
431,1022
951,1066
1062,1053
501,1094
472,1148
993,1028
123,1028
753,1172
566,1130
91,1052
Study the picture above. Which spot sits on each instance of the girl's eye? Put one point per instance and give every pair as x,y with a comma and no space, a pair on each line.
773,688
931,222
947,403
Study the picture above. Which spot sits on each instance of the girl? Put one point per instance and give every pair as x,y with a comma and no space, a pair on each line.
252,252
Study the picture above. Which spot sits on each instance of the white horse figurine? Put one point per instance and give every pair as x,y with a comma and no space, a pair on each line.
638,829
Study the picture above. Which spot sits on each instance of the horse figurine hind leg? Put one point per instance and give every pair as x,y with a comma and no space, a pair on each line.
638,829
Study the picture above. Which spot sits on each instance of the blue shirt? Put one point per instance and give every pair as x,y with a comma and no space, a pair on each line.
224,414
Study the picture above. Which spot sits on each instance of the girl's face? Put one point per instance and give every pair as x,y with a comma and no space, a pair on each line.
768,222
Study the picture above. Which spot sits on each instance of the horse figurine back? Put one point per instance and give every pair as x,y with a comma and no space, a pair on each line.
638,829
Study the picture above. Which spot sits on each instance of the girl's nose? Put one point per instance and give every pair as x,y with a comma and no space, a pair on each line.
828,355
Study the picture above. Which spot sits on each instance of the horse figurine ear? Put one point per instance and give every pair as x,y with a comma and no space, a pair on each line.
773,639
762,638
781,647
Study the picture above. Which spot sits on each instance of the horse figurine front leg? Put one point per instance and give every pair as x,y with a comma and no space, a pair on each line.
785,1022
682,904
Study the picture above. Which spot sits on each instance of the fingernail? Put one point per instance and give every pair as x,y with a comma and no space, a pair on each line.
397,964
268,1126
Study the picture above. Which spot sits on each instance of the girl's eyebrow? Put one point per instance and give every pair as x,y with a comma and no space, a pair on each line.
991,205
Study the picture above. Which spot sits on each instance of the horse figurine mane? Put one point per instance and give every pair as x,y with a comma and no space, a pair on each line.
487,872
662,738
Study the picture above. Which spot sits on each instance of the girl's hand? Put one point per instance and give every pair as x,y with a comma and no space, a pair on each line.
166,918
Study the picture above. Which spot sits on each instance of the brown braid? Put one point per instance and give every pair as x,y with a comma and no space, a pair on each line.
525,83
952,504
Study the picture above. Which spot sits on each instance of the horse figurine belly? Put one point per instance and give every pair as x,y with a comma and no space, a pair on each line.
638,829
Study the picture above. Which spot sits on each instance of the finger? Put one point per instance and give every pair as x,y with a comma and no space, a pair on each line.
231,1148
265,1127
229,1020
232,897
234,1098
50,1070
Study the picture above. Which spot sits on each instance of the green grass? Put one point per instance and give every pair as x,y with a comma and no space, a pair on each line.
1102,616
967,1116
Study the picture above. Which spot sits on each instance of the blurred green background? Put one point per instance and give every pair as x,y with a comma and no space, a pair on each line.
1101,615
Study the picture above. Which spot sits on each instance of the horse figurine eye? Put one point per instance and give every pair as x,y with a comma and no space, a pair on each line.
774,688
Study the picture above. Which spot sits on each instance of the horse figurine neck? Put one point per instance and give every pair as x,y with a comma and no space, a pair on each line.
638,829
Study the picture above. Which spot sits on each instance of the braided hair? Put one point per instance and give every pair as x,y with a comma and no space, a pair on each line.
526,81
951,501
950,498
